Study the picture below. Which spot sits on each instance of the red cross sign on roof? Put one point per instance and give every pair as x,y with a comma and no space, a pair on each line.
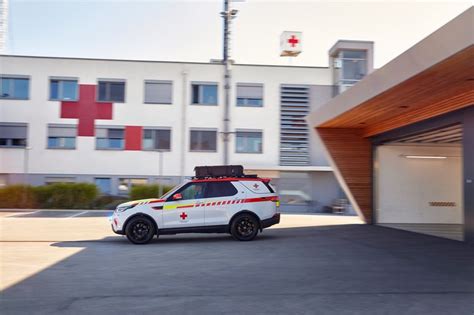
86,109
293,41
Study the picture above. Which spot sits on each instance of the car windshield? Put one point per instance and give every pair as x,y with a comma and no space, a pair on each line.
172,191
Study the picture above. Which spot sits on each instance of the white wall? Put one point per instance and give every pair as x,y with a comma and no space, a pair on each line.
38,111
406,186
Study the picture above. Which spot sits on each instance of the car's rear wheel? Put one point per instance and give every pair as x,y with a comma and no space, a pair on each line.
244,227
140,230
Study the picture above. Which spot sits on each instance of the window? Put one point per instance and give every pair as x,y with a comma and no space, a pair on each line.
63,89
353,65
203,140
109,138
204,93
13,135
111,91
192,191
103,183
125,184
59,180
156,139
158,92
250,95
14,87
220,189
61,137
249,142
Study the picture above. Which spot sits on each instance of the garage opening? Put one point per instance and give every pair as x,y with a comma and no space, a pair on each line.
419,183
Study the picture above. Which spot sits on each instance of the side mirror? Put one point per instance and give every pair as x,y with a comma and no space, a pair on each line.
177,196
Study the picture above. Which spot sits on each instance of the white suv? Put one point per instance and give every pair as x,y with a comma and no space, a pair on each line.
241,206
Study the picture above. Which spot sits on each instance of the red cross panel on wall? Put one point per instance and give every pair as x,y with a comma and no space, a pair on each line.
86,110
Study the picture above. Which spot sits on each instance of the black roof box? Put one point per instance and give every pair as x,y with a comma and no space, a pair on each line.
219,171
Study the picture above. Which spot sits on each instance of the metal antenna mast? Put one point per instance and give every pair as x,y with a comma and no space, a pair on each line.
228,14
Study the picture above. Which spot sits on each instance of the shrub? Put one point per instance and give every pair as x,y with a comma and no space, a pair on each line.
66,195
18,196
108,202
147,191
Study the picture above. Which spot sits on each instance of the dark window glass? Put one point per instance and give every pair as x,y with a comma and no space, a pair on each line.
192,191
204,94
54,90
112,91
3,142
203,140
195,94
117,92
19,142
156,139
220,189
102,91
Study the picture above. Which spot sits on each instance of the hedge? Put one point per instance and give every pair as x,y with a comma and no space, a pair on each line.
55,196
147,191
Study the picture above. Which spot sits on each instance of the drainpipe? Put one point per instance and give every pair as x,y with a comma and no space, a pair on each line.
184,104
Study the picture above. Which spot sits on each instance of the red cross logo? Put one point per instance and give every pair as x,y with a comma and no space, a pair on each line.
293,41
87,110
255,186
183,215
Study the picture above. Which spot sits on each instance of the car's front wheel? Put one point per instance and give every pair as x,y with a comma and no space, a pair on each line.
244,227
140,230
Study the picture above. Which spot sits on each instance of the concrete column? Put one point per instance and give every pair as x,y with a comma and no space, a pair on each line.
468,158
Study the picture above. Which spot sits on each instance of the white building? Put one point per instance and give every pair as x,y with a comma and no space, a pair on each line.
124,122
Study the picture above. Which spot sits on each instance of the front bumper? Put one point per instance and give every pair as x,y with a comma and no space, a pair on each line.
272,221
116,224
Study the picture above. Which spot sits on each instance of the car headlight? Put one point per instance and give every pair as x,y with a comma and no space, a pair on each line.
125,208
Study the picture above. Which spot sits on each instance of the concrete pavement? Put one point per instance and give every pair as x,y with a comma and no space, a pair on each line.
306,265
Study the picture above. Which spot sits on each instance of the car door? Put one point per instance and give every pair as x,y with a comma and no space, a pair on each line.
221,199
185,207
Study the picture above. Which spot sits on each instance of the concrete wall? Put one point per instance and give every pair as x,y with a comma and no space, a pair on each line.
406,186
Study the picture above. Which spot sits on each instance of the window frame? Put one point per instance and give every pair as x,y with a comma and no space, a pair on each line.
248,131
9,144
60,126
202,129
157,82
200,85
108,128
60,88
107,92
242,84
154,137
12,88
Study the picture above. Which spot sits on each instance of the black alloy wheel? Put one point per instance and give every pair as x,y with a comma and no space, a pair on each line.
244,227
140,230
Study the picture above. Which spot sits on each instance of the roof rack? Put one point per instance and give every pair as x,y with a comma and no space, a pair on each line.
220,171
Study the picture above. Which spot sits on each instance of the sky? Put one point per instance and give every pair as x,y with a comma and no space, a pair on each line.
192,30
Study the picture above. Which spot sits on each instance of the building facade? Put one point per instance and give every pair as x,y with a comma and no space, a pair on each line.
119,123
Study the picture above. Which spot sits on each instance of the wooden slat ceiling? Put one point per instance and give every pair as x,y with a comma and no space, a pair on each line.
445,87
446,135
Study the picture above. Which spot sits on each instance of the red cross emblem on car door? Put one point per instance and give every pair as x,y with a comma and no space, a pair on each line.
183,216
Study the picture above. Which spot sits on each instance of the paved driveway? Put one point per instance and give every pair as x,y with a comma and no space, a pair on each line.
319,269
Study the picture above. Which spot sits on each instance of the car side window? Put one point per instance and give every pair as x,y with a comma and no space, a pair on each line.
192,191
220,189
